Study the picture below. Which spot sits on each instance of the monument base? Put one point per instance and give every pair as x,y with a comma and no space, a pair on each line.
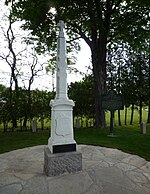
60,163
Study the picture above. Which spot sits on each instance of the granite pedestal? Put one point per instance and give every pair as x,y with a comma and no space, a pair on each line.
60,163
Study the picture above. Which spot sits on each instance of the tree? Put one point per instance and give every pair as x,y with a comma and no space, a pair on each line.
97,22
40,102
148,118
138,78
19,56
34,70
115,66
3,117
11,60
82,93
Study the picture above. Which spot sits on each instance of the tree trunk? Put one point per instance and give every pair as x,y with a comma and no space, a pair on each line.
119,118
14,122
81,121
99,114
27,109
42,122
132,113
99,70
87,123
148,117
4,119
25,122
12,105
140,111
21,124
4,125
125,118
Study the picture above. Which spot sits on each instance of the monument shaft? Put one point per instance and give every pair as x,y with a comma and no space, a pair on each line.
61,80
62,138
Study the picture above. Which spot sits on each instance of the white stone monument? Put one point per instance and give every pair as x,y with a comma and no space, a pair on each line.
60,156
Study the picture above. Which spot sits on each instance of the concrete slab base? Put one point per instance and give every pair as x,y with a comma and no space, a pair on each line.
60,163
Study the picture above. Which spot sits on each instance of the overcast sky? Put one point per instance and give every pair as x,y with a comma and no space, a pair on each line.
43,81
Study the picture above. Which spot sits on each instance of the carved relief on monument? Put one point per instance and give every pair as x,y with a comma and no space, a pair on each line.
62,124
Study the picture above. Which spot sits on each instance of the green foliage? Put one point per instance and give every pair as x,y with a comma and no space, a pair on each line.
97,22
122,20
128,71
132,24
83,94
38,106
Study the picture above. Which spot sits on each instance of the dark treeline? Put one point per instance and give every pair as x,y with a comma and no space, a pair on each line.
104,26
128,73
117,33
26,107
83,94
36,103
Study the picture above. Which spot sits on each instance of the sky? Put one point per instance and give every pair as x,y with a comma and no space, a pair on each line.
44,81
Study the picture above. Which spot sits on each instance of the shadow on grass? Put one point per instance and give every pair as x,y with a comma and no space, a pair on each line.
127,138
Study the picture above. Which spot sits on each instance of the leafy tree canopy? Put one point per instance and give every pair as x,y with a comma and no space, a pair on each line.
98,22
120,19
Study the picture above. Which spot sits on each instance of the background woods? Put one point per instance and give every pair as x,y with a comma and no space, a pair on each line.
117,34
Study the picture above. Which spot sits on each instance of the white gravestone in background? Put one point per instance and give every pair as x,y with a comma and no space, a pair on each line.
34,125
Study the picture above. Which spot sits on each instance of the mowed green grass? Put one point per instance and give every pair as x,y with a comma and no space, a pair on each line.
122,114
127,138
16,140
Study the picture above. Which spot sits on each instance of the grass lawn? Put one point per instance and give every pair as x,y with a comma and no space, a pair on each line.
16,140
128,139
122,113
